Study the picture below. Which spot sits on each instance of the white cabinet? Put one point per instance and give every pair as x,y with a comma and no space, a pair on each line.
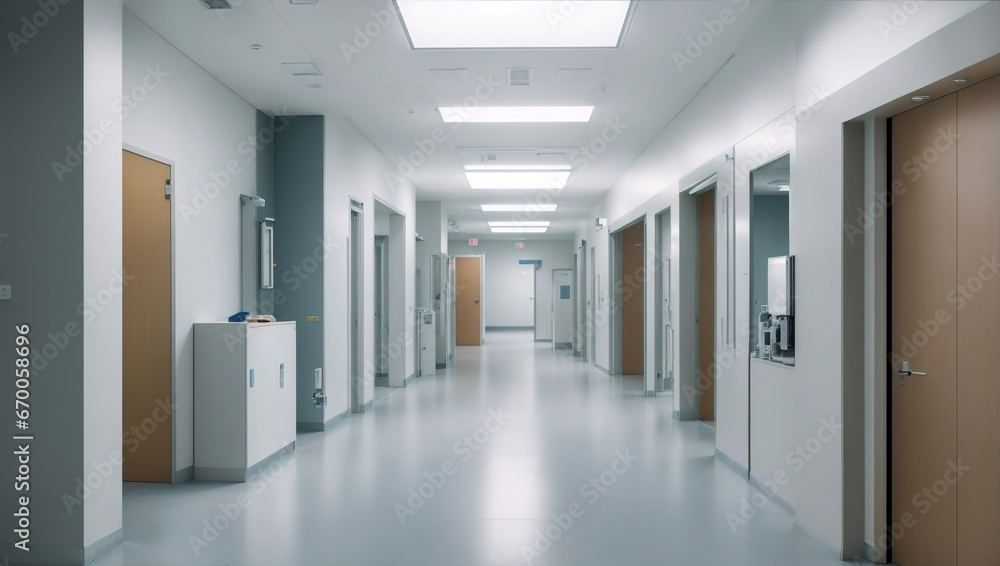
244,397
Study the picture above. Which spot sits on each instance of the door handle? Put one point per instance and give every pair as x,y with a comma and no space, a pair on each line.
475,301
906,372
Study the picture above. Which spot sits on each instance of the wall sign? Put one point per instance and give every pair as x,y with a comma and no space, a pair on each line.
529,262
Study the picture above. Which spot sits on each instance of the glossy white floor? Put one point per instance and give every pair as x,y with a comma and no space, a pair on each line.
500,452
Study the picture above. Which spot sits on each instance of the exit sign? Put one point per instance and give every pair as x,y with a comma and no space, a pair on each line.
473,242
519,245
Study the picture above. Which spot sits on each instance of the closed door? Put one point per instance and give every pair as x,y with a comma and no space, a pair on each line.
262,392
945,315
287,378
706,306
633,287
147,361
468,301
562,308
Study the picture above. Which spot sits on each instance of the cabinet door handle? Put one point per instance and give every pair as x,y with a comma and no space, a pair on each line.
253,377
281,376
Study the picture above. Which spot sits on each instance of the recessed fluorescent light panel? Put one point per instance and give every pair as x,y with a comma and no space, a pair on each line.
519,207
520,224
515,114
489,24
518,230
517,167
517,179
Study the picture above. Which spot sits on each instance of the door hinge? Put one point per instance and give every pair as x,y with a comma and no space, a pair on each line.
166,189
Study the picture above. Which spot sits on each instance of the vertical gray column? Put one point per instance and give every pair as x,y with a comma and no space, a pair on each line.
300,250
60,250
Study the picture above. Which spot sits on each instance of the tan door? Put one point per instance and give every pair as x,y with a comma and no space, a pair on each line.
706,306
146,321
944,303
633,287
468,301
978,324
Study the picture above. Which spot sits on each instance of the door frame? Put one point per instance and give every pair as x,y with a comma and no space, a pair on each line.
381,304
592,307
482,293
355,306
187,474
663,299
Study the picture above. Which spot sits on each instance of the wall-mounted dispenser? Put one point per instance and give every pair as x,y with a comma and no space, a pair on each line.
319,398
267,253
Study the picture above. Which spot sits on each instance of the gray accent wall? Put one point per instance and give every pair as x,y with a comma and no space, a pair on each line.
60,244
299,247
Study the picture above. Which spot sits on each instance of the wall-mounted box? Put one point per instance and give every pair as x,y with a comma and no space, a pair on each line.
244,397
781,285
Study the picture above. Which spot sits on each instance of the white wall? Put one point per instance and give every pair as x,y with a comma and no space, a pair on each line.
432,225
102,255
193,120
355,169
505,280
798,55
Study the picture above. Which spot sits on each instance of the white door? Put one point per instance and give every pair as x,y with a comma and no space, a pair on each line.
262,388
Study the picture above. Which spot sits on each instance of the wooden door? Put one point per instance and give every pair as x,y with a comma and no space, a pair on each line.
633,286
706,306
147,361
978,396
945,321
468,301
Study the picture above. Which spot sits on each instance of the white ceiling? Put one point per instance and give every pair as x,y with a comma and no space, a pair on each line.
390,92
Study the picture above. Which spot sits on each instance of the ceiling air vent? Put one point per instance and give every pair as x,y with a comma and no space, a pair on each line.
519,77
307,74
217,4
